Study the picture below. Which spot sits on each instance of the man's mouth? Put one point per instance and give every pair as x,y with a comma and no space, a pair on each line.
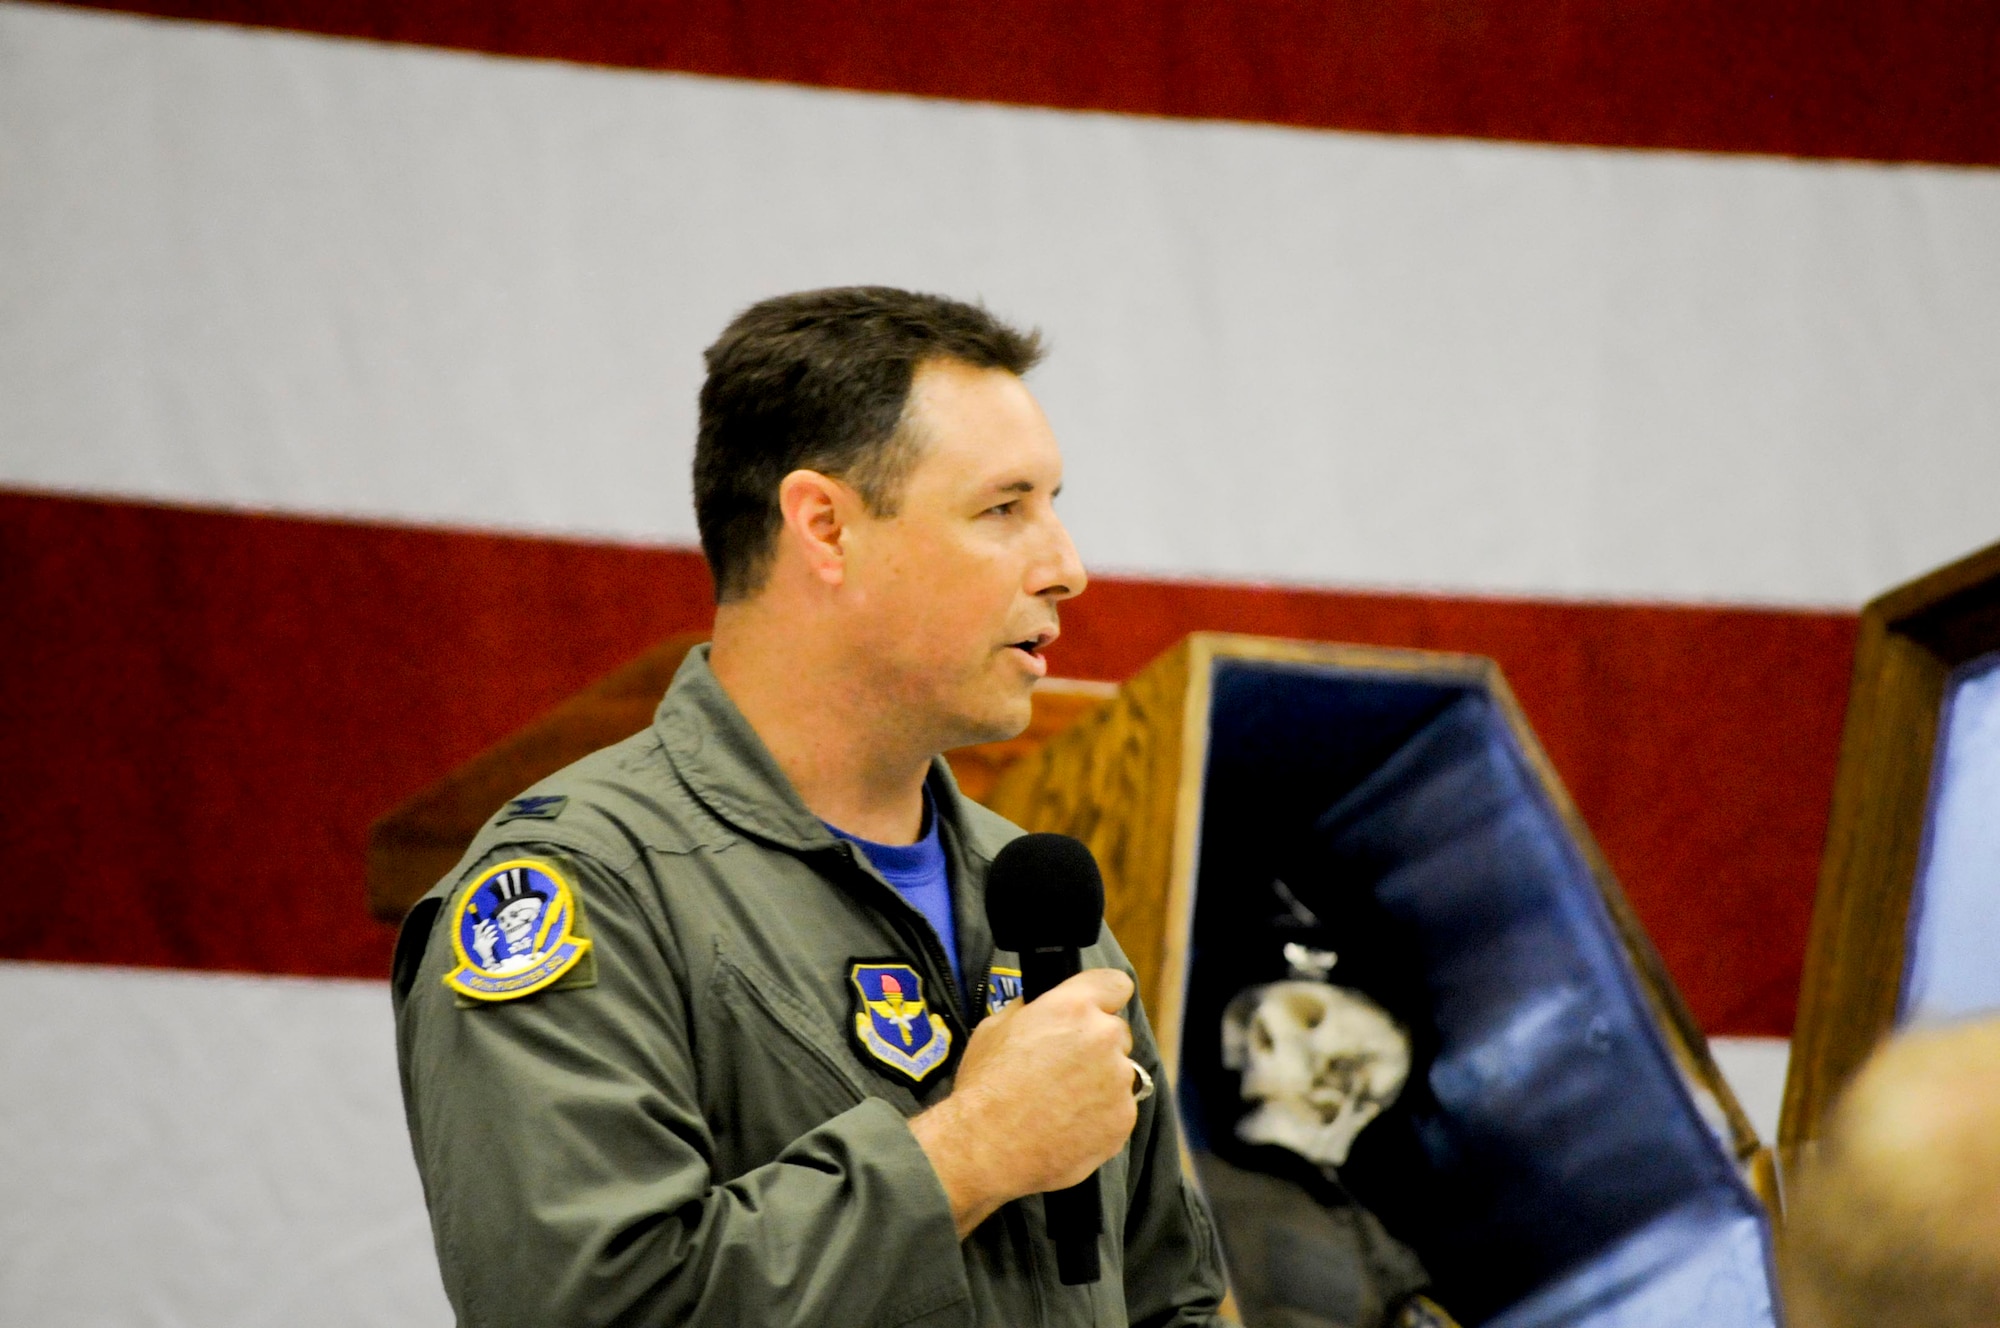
1031,649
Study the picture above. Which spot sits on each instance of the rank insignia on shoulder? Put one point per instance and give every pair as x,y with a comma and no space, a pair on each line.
894,1025
542,807
515,932
1003,988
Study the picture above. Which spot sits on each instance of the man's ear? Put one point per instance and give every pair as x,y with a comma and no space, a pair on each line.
816,509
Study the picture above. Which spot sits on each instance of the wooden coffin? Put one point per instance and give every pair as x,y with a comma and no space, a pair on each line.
1565,1151
1906,926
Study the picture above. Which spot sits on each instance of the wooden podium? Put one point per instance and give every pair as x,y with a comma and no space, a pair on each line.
1903,927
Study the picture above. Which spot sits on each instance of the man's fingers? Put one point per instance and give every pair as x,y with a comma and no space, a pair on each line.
1106,988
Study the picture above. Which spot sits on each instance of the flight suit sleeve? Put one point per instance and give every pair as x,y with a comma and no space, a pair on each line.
1173,1261
566,1161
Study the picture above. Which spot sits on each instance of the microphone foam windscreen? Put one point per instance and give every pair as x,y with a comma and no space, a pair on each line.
1044,891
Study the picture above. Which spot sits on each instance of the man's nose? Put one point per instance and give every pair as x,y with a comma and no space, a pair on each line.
1061,575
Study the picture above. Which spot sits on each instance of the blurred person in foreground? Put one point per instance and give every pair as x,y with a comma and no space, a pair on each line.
1896,1220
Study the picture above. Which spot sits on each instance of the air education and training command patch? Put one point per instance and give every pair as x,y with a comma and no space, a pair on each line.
894,1025
515,932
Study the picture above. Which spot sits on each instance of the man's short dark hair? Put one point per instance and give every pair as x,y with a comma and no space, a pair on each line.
819,381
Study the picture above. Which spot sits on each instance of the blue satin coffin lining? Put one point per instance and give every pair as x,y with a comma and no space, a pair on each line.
1954,928
1546,1161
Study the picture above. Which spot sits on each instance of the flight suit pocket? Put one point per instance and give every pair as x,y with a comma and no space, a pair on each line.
1099,1304
770,1072
1108,1301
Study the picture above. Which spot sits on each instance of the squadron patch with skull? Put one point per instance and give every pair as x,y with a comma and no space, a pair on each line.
515,933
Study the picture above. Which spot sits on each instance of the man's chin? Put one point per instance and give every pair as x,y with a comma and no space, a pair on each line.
995,723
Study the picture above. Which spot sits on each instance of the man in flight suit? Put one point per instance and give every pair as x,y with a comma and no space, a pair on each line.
753,1060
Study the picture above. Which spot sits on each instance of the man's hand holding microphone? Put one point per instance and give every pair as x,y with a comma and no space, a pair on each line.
1047,1091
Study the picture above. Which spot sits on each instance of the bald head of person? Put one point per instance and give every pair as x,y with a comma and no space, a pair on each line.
1896,1220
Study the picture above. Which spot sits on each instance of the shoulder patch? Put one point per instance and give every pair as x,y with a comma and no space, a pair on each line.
514,932
1003,988
895,1025
543,807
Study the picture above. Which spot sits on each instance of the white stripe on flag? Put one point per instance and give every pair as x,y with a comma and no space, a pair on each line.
277,271
183,1148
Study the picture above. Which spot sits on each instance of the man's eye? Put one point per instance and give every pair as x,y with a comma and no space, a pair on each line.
1003,509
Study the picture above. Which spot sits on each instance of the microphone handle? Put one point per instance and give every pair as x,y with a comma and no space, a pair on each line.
1044,969
1075,1216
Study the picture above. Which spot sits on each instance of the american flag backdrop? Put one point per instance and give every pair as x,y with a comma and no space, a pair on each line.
348,360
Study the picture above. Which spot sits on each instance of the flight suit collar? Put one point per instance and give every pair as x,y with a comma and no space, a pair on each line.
727,768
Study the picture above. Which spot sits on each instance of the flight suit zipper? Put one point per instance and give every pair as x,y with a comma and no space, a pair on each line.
917,932
1016,1220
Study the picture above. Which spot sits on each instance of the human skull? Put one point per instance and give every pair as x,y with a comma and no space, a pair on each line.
1321,1061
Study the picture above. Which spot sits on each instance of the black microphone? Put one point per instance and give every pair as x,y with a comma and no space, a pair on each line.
1045,901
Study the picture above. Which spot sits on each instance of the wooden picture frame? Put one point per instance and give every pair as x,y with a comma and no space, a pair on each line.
1911,642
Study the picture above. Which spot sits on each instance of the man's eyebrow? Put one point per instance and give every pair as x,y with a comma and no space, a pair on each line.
1023,487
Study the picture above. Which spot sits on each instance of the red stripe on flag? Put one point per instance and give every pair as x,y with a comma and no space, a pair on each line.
1873,79
204,712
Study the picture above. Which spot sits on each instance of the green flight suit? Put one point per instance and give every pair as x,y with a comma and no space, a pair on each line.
687,1127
